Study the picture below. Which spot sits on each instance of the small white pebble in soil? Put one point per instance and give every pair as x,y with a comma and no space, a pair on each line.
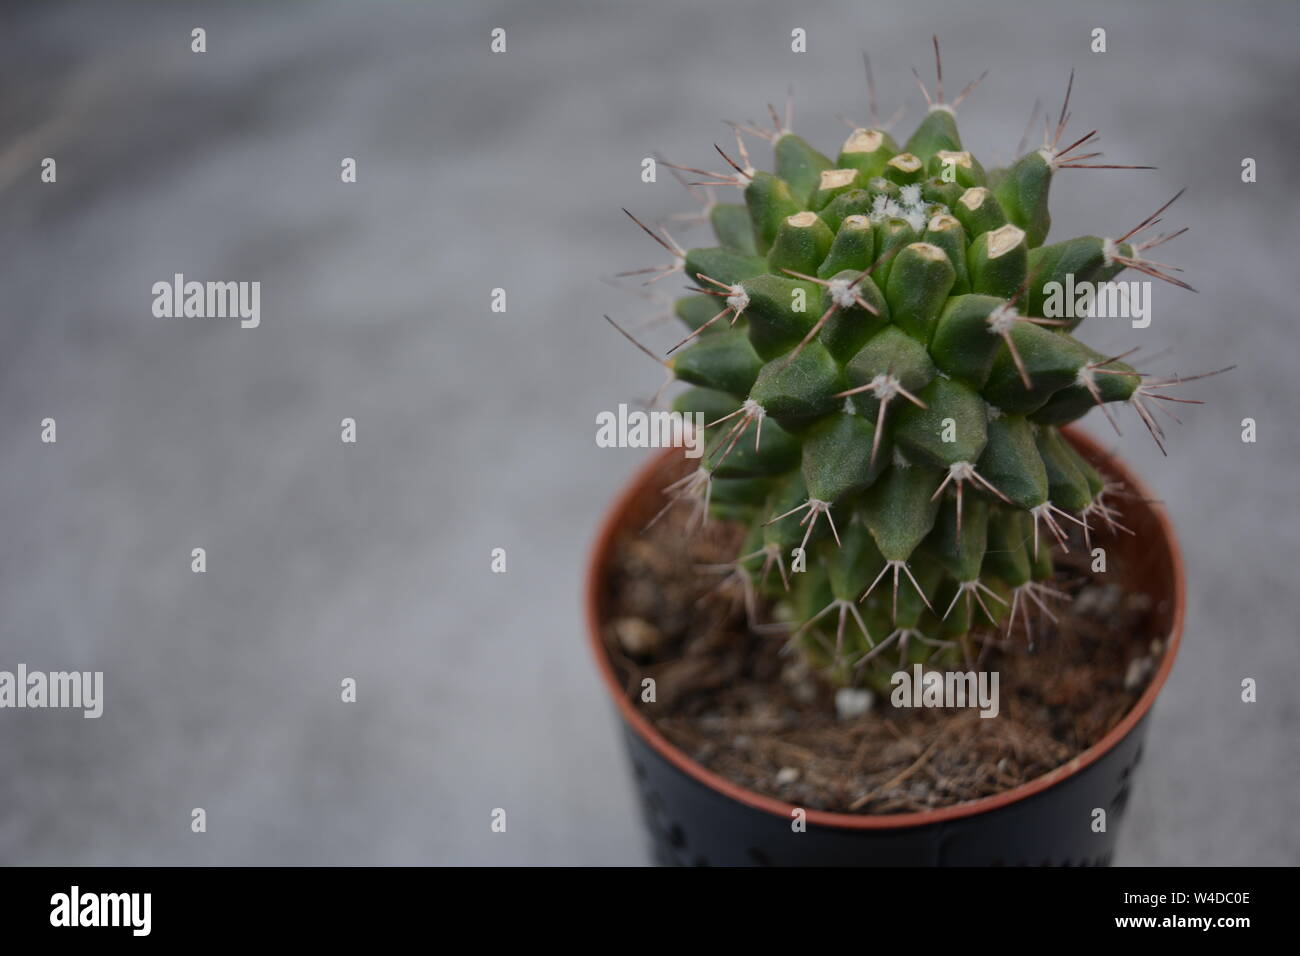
797,676
1138,668
852,702
1085,602
795,672
637,636
1110,598
786,776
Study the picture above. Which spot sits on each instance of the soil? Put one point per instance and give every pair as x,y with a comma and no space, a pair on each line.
732,701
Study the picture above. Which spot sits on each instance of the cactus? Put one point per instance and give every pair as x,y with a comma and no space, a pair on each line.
883,393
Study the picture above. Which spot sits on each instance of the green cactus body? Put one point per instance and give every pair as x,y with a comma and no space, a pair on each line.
887,402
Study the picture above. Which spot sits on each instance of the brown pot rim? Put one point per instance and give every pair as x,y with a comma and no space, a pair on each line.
613,524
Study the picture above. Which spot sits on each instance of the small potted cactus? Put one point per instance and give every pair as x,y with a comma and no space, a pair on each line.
886,387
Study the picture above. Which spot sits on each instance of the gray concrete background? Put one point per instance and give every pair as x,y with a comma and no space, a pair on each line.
476,429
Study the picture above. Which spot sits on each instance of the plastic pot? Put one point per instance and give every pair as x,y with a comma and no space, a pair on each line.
696,817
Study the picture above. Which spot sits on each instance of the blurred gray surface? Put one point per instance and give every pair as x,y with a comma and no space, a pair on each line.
476,429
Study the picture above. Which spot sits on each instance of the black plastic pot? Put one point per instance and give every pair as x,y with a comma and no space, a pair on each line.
698,818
